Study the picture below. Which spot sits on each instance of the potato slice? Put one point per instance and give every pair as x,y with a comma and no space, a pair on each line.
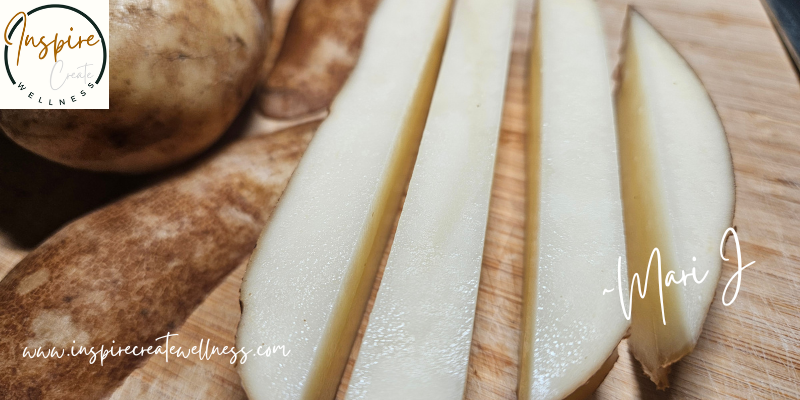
574,233
418,339
310,277
677,187
323,42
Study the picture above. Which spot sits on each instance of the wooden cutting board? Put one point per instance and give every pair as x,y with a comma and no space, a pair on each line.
750,349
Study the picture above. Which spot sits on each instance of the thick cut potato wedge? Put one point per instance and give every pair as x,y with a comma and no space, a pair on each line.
309,279
418,339
574,234
677,187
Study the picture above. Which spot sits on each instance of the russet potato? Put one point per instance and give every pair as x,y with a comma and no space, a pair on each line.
321,46
180,72
135,269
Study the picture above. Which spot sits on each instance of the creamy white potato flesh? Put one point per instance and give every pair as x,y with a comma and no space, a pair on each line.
310,276
575,232
417,343
677,186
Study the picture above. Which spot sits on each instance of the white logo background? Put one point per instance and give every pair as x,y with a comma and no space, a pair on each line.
71,82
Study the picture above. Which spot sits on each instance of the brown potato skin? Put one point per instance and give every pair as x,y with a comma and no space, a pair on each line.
322,45
180,72
134,270
280,13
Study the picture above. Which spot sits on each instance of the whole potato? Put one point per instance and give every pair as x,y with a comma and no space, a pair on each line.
180,71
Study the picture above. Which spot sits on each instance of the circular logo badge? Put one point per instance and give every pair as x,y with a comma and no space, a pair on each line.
55,56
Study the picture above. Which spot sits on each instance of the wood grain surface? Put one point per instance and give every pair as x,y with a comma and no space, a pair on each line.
750,349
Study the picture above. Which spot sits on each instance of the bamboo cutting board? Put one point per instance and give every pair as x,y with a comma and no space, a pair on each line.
748,350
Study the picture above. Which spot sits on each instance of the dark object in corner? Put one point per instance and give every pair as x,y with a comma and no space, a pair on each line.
785,15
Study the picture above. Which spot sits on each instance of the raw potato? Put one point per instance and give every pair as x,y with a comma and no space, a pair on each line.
677,187
574,232
310,277
417,343
179,75
280,13
134,270
322,45
40,196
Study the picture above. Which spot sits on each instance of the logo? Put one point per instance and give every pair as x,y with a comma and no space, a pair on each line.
55,56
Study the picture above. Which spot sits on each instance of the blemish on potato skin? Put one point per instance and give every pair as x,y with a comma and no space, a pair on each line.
33,281
56,329
34,394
